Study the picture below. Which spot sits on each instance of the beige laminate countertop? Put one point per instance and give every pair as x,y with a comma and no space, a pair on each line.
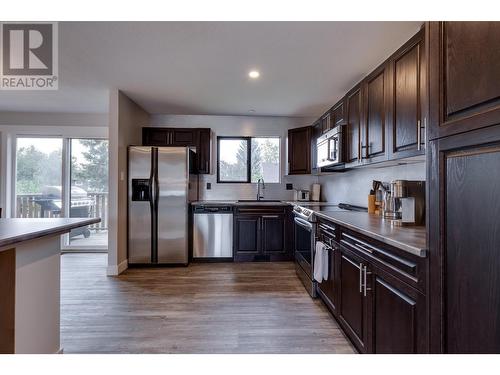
13,231
409,239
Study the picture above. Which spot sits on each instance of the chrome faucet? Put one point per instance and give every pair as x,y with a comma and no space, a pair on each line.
260,193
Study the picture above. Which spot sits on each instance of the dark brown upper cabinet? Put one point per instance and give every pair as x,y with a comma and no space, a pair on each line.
338,113
374,124
408,100
326,122
182,137
204,150
316,133
299,150
353,126
464,76
335,116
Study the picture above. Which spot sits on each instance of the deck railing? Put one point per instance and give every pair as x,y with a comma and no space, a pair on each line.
28,206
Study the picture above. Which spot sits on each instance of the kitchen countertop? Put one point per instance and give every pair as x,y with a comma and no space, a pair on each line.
238,203
409,239
13,231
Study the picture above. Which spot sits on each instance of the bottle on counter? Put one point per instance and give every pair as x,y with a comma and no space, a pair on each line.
371,202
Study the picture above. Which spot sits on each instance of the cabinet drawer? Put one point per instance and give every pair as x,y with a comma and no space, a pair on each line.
259,210
406,267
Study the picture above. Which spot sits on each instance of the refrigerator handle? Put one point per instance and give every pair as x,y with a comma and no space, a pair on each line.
153,203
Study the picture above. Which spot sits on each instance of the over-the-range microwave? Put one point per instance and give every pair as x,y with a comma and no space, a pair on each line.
329,148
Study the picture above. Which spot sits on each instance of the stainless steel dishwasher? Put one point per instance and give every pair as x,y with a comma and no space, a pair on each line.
212,232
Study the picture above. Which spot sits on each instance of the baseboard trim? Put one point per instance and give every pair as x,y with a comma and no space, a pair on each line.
116,270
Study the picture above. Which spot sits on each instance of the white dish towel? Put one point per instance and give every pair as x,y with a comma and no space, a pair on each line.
320,262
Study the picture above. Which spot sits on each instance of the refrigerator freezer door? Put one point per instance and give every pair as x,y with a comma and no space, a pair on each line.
173,179
139,209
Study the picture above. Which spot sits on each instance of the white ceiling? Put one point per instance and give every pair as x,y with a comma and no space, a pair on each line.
201,67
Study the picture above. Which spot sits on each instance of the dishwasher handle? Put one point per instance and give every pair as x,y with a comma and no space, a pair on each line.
213,210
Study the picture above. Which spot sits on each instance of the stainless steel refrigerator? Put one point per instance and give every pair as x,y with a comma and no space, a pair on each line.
161,184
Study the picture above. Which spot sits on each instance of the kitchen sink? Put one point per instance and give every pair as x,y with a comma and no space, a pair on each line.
257,201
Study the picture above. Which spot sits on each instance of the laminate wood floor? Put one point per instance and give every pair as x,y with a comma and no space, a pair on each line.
203,308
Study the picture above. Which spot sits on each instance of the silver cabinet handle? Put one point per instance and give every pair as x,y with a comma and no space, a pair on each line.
361,277
419,136
270,216
360,244
365,283
425,132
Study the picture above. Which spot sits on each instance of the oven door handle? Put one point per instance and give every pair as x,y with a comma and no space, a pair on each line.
303,223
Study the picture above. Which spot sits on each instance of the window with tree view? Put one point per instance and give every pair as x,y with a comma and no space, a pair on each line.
247,159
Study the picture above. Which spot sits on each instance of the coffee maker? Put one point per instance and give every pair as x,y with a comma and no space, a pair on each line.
404,202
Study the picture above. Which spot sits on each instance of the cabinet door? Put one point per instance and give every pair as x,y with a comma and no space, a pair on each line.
204,150
316,133
326,123
273,235
407,137
353,307
328,288
155,137
183,137
338,114
398,316
464,233
373,145
464,76
299,150
353,126
247,241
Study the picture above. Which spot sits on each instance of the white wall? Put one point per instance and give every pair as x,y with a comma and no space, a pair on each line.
126,120
354,186
54,119
242,126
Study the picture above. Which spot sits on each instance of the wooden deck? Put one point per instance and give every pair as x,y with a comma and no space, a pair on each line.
203,308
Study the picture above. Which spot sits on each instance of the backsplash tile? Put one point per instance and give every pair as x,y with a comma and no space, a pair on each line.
249,191
354,186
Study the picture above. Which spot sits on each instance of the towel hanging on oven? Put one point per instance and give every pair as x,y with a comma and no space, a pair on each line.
320,267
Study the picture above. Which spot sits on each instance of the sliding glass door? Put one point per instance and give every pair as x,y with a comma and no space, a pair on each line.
64,177
89,191
38,185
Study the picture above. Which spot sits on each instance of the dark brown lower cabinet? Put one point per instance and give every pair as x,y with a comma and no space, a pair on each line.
328,288
273,234
464,242
261,234
378,296
247,242
398,315
7,300
353,313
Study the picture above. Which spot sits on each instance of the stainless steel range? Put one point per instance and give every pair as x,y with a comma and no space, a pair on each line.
305,239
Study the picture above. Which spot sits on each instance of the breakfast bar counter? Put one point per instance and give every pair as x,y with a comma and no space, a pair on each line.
30,280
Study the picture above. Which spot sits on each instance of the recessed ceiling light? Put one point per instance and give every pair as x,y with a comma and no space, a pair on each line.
251,110
254,74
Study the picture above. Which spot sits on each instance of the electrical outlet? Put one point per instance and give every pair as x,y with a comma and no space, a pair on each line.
209,185
289,186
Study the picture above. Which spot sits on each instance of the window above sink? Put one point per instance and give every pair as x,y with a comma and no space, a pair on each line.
247,159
